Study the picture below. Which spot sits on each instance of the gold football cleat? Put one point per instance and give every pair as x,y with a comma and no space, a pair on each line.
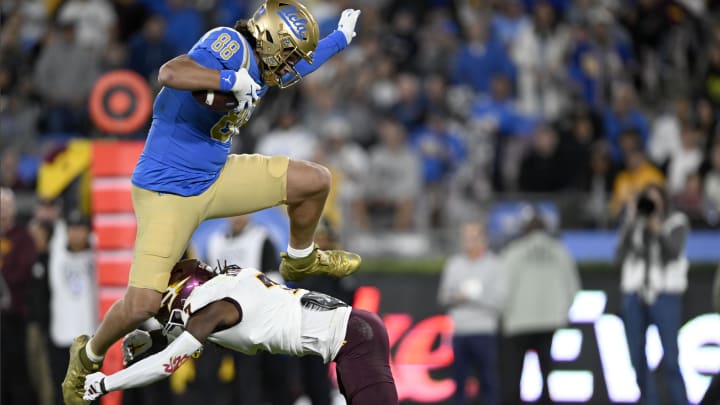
334,263
73,387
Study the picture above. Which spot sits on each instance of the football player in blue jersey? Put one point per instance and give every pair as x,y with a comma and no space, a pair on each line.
185,175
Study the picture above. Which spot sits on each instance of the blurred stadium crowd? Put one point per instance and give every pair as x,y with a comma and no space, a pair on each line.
441,107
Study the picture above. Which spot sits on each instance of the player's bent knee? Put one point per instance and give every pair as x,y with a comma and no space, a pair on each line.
320,178
307,179
141,303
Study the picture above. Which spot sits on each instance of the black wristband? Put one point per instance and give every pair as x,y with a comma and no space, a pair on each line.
102,386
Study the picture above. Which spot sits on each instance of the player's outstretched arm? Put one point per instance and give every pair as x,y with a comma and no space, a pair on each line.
333,43
158,366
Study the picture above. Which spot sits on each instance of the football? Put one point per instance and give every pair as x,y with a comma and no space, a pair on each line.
216,100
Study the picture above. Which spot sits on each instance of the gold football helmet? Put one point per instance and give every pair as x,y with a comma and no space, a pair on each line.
285,32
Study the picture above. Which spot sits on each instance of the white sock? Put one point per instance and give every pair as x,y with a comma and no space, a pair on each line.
91,355
300,253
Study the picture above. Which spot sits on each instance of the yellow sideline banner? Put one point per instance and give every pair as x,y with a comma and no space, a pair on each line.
56,175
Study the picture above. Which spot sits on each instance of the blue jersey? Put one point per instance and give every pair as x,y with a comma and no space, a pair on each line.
188,144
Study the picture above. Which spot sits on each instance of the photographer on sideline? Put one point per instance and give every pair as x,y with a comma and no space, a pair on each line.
651,253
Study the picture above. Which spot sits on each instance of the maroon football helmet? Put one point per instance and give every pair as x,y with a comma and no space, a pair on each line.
185,276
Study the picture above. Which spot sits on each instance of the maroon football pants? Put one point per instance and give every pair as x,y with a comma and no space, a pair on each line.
363,363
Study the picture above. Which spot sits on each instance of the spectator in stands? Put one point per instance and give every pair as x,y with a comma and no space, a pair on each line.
394,179
666,129
47,210
711,184
148,49
598,185
599,56
34,23
624,116
540,170
131,17
39,315
116,57
707,124
409,108
497,118
539,53
436,94
649,23
651,255
690,199
400,42
73,289
497,111
480,58
472,290
64,92
439,41
638,174
94,21
382,88
508,22
574,151
543,280
20,112
345,156
684,160
441,151
9,168
712,74
257,378
17,255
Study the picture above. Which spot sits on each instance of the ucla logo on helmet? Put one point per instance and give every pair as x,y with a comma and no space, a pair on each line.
295,20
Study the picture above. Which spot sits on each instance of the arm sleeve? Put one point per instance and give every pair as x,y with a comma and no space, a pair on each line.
327,48
672,243
155,367
623,244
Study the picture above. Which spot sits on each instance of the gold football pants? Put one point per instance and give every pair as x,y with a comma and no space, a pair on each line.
165,222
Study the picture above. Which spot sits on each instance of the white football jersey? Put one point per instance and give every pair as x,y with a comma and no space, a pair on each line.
275,318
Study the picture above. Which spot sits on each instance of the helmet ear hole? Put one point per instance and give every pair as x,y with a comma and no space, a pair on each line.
268,37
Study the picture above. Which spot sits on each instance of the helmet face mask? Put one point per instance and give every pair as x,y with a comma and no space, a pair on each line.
285,33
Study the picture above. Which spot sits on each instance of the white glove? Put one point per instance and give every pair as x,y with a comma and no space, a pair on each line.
94,386
245,90
134,344
348,19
